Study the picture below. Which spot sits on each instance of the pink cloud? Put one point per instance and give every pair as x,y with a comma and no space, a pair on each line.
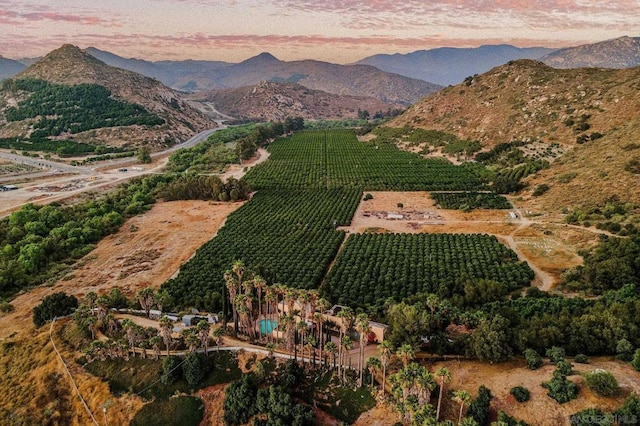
80,19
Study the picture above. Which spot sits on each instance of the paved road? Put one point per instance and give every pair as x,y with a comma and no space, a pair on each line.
79,179
59,167
39,162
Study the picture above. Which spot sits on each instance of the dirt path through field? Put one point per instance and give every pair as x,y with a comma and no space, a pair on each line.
415,212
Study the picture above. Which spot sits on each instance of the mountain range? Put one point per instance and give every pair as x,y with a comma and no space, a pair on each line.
397,78
69,65
349,80
449,65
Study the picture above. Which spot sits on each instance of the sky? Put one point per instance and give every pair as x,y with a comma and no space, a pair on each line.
339,31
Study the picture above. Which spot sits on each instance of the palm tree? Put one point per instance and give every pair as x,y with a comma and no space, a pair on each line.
462,397
260,285
317,322
162,298
232,288
302,328
347,345
425,384
238,267
313,301
166,326
191,338
303,298
131,333
146,298
386,349
373,365
217,336
345,315
286,324
102,303
270,348
203,328
363,328
330,349
155,345
406,354
91,299
310,345
444,375
323,305
242,311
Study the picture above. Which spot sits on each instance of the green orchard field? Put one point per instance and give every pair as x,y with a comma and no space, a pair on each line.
311,184
336,159
373,267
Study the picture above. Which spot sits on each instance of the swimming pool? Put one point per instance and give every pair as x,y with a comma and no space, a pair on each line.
267,326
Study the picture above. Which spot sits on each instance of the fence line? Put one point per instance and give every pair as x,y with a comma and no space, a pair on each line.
73,382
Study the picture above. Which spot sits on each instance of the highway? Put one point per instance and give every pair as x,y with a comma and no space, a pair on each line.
59,167
62,181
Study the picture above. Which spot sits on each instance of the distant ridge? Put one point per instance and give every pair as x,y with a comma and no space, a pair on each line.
448,65
350,80
622,52
9,67
272,101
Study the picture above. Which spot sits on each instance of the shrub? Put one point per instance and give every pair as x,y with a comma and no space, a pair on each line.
635,362
534,360
555,354
561,389
520,393
633,166
564,367
368,197
6,307
581,359
55,305
602,382
183,410
540,189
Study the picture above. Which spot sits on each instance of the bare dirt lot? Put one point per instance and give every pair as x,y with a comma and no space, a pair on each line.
548,248
540,409
147,250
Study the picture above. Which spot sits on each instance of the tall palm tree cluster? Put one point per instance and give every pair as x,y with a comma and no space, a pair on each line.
300,319
93,315
412,385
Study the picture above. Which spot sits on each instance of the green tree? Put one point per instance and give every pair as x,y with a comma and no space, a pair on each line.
624,349
561,389
143,155
194,368
491,340
169,368
240,400
479,409
55,305
635,362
